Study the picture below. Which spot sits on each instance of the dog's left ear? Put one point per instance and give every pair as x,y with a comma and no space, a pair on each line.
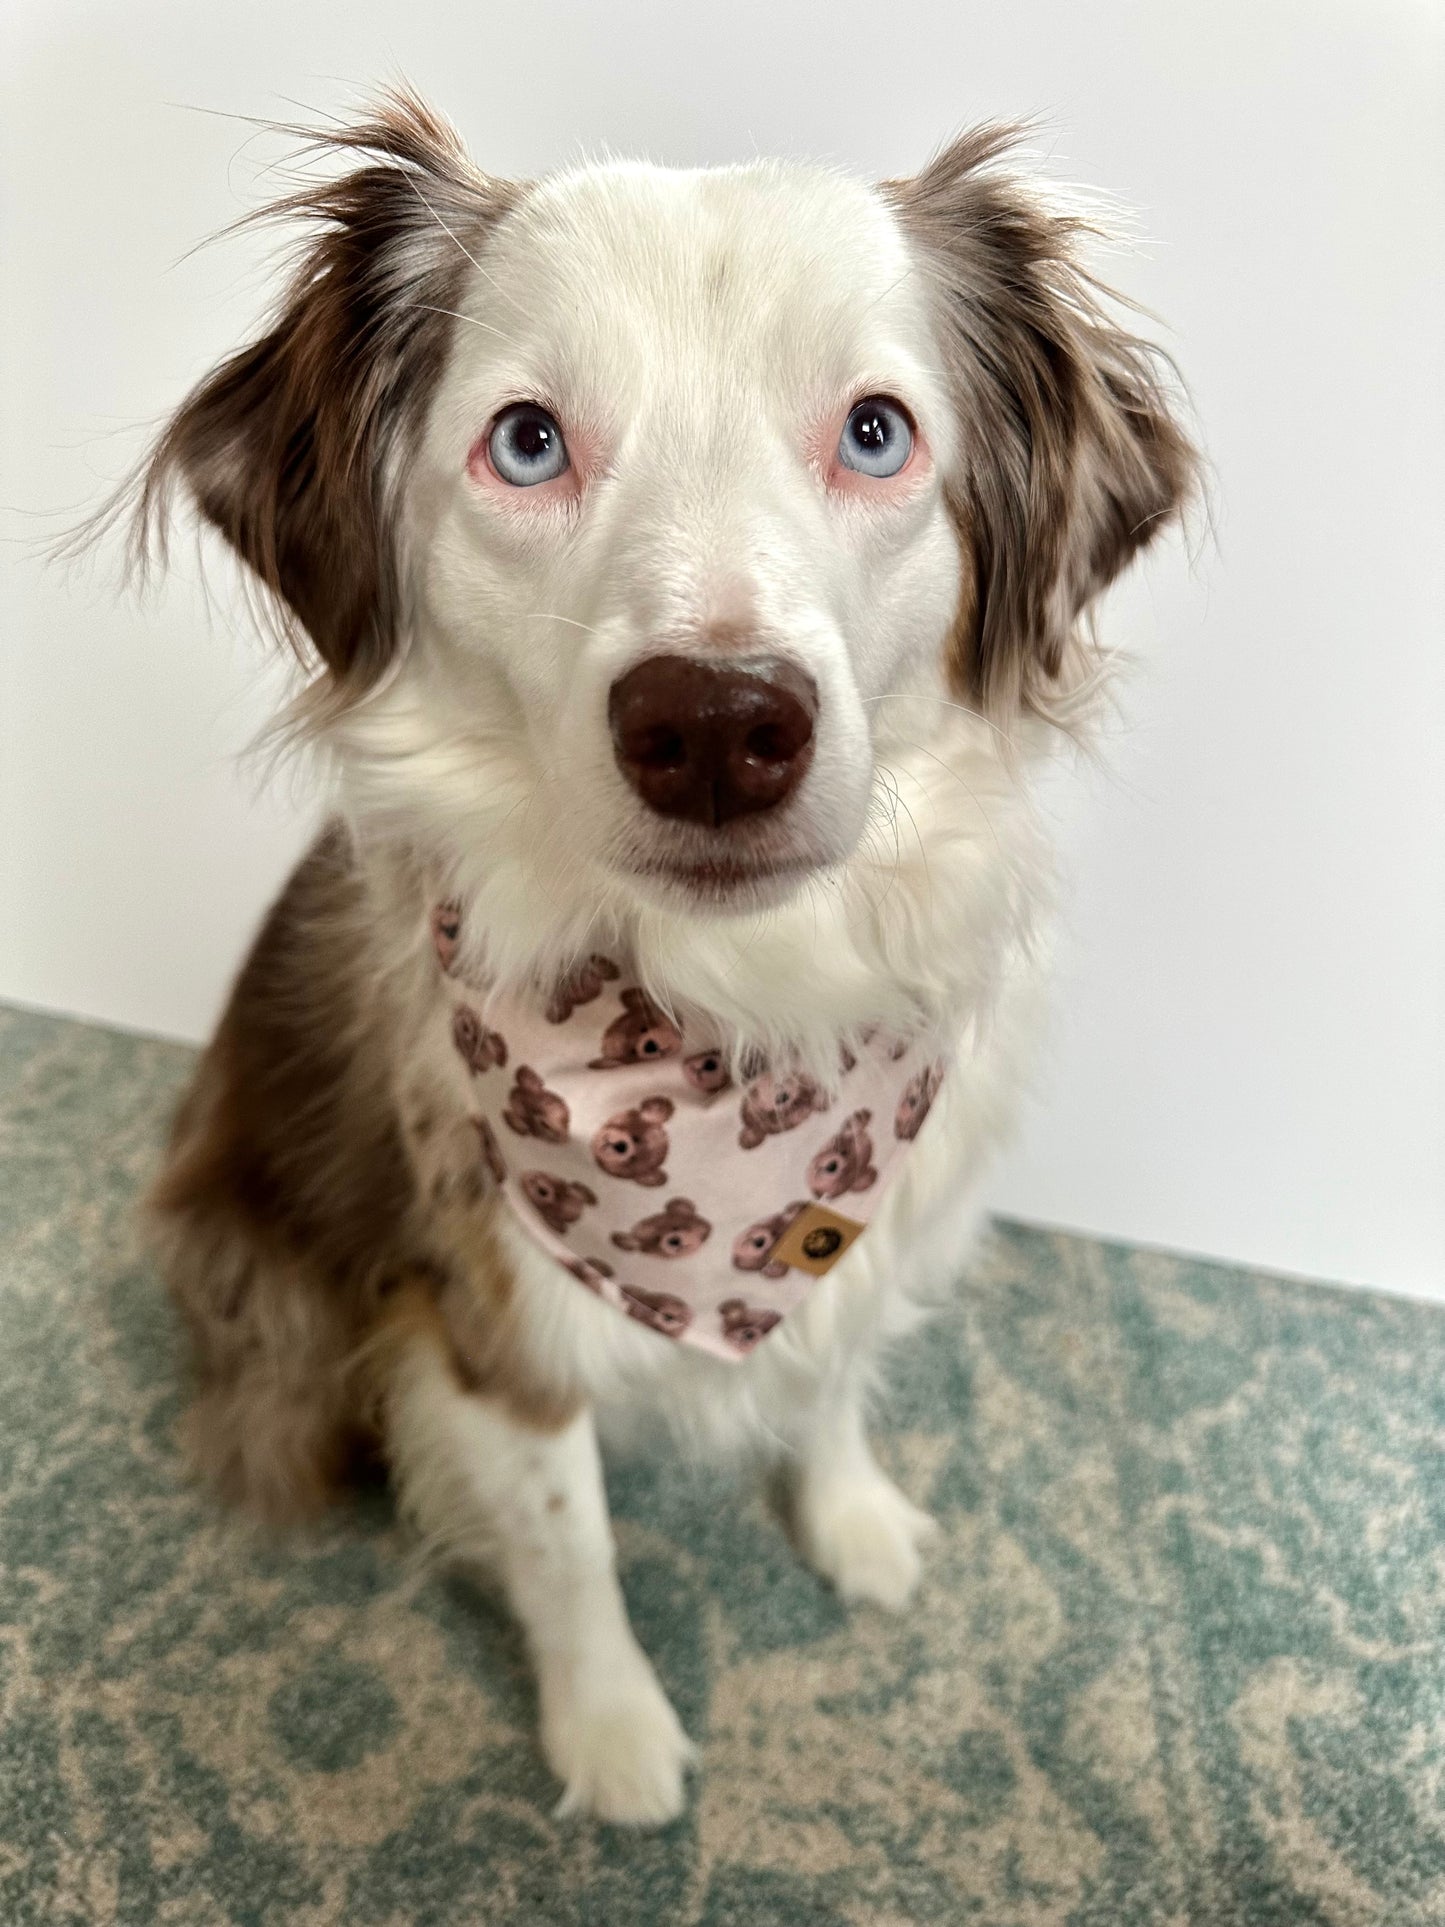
1071,454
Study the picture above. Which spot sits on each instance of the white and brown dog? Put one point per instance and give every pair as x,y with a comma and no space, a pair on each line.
692,567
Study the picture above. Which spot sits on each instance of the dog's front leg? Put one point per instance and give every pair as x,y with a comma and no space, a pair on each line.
483,1484
853,1524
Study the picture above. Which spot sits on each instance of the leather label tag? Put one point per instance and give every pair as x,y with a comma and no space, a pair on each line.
816,1239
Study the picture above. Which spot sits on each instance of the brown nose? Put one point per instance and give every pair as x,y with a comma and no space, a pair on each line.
708,744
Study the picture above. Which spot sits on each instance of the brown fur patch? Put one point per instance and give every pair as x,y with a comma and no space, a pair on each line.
288,1221
1073,457
284,1195
477,1308
410,1313
295,448
420,1311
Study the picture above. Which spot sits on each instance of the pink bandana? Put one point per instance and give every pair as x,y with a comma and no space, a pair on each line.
703,1210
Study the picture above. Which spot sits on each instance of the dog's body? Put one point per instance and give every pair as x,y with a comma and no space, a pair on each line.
493,653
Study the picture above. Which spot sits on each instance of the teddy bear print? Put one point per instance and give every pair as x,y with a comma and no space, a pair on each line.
446,932
580,986
897,1046
772,1105
753,1248
589,1272
633,1144
558,1202
845,1162
918,1094
674,1232
639,1036
534,1111
707,1071
744,1326
491,1150
480,1048
659,1309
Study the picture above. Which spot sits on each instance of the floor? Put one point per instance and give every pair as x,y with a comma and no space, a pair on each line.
1180,1656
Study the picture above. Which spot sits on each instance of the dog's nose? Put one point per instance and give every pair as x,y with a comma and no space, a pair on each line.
707,743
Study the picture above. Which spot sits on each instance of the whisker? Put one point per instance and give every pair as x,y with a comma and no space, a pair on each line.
592,922
949,770
521,800
889,290
457,240
491,280
918,838
926,696
871,852
897,864
427,307
546,615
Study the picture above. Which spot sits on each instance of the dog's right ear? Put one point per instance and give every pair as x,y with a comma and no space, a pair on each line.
294,447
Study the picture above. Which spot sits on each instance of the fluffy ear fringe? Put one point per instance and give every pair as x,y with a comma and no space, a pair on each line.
295,447
1074,451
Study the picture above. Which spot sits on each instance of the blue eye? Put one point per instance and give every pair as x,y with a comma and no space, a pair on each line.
877,438
526,446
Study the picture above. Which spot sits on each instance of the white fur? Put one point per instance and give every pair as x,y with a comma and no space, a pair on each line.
481,1486
697,329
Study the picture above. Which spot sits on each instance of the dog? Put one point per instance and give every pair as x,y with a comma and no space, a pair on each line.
692,573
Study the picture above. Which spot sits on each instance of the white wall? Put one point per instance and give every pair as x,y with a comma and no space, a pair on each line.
1250,1059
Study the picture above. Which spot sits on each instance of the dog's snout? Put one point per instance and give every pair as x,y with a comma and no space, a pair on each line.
709,743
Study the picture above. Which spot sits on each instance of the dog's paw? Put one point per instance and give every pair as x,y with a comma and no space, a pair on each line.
864,1536
611,1737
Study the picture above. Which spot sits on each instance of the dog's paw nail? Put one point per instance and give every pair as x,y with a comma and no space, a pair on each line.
865,1538
618,1748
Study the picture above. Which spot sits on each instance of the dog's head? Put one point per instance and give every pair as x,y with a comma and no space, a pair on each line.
614,507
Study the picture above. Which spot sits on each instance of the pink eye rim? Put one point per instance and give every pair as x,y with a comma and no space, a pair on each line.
852,489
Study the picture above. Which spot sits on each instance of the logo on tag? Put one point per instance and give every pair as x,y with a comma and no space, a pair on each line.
816,1239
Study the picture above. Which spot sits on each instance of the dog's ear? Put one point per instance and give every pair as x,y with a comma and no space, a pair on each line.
294,447
1072,456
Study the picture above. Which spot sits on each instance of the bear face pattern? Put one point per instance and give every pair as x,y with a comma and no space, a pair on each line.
641,1035
726,1127
659,1309
481,1049
753,1248
674,1232
773,1104
744,1326
534,1111
845,1162
446,933
589,1271
580,986
633,1144
918,1095
490,1149
558,1202
707,1071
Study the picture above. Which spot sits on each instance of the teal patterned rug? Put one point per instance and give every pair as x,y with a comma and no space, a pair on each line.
1179,1658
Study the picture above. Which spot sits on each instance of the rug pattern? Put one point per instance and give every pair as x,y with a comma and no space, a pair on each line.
1179,1660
